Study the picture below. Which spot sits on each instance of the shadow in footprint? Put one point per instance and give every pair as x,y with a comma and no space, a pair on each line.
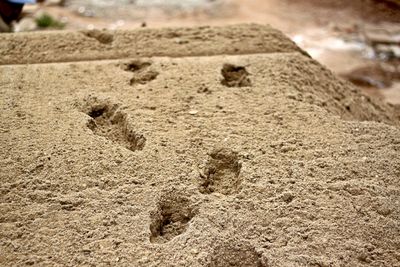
221,173
235,76
235,253
112,123
103,37
141,71
171,218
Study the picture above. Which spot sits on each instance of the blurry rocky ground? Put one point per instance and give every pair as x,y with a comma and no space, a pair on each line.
358,39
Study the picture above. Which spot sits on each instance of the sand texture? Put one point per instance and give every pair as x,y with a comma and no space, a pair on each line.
169,154
61,46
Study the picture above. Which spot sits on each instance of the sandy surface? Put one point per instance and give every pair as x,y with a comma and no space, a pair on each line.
259,159
61,46
331,31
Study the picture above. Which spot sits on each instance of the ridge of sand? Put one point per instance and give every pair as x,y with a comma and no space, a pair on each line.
224,160
61,46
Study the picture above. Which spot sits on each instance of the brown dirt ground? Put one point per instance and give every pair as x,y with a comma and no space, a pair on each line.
208,158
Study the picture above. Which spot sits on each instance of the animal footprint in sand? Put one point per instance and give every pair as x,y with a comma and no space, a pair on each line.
221,173
235,76
235,253
103,37
142,73
171,218
112,123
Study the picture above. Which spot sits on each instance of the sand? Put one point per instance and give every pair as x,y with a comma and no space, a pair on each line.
215,147
62,46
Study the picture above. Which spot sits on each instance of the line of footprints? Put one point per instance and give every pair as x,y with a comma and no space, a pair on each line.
221,173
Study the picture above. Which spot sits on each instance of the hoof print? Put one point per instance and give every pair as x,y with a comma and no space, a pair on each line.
235,253
141,72
108,121
235,76
102,37
221,173
171,218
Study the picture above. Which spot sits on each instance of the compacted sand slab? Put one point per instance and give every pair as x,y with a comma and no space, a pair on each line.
61,46
225,160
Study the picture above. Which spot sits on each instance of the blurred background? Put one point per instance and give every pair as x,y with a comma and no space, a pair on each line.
357,39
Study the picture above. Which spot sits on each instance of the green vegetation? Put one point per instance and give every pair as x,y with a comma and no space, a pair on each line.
47,21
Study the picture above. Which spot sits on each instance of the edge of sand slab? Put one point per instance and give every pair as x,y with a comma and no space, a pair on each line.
71,46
